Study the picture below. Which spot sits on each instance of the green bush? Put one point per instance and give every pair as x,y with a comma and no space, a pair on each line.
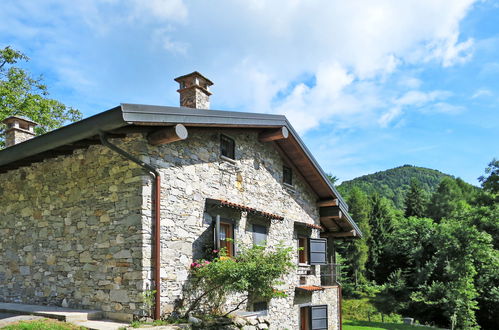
364,310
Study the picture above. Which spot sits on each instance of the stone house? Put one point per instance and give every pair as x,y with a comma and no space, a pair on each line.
81,206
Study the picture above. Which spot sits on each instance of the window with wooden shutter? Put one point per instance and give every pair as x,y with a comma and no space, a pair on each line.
317,251
259,235
318,317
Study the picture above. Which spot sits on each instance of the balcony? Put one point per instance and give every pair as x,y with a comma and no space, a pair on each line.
330,274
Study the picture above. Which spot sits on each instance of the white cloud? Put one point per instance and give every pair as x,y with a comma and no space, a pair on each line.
315,61
481,93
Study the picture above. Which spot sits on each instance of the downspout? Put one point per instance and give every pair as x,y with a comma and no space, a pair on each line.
157,220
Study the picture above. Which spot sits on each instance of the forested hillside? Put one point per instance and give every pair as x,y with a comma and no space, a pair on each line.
435,257
394,183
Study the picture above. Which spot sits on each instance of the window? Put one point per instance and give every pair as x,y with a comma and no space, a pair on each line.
303,250
223,235
287,175
227,147
313,318
261,307
317,251
312,251
259,235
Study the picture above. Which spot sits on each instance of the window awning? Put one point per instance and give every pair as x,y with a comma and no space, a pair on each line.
310,288
309,225
251,210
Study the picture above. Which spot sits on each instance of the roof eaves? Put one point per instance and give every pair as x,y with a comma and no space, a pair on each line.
105,121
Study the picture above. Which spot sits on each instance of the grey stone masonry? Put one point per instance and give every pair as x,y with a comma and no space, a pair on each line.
71,233
77,230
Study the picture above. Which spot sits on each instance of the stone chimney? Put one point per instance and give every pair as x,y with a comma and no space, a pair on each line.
18,130
194,90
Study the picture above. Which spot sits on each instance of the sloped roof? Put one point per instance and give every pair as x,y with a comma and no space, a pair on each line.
127,118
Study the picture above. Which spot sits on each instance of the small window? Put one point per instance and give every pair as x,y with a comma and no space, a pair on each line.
223,236
261,307
287,175
303,250
226,237
314,317
227,147
259,235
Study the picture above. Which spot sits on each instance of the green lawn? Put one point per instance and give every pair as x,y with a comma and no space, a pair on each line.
364,325
44,324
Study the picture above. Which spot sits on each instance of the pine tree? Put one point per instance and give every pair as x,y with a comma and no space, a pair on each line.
381,220
415,200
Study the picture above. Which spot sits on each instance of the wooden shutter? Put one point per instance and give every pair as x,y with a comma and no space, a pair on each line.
318,317
216,233
259,235
317,251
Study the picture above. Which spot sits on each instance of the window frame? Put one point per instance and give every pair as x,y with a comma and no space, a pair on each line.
217,243
231,154
287,169
254,232
303,258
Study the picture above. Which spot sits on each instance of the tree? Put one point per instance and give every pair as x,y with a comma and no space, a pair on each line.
356,251
332,178
381,219
415,200
447,199
255,273
26,96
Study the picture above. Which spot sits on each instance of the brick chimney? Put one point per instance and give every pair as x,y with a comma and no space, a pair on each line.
194,90
18,130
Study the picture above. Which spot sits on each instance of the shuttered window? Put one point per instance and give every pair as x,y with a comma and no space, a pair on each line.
259,235
317,251
318,317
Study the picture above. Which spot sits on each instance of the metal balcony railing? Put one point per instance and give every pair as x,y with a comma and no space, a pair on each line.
330,274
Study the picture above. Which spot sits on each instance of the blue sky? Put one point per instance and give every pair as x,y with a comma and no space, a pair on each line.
370,85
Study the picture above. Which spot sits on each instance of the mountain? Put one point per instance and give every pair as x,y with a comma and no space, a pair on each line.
394,183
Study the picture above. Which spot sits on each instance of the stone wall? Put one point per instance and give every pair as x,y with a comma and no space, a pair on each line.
71,232
192,171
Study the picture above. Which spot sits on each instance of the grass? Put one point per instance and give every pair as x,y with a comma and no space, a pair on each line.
365,325
43,324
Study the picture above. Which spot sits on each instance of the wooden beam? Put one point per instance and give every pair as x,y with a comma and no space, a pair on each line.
330,212
168,135
351,233
274,134
328,202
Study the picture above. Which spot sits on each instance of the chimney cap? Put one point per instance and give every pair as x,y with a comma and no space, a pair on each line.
11,119
193,74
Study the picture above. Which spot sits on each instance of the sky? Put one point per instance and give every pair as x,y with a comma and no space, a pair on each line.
369,85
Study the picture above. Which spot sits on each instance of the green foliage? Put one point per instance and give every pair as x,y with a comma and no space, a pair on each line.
415,200
381,222
393,184
26,96
446,200
356,252
490,181
440,270
148,298
390,325
255,271
364,309
44,324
